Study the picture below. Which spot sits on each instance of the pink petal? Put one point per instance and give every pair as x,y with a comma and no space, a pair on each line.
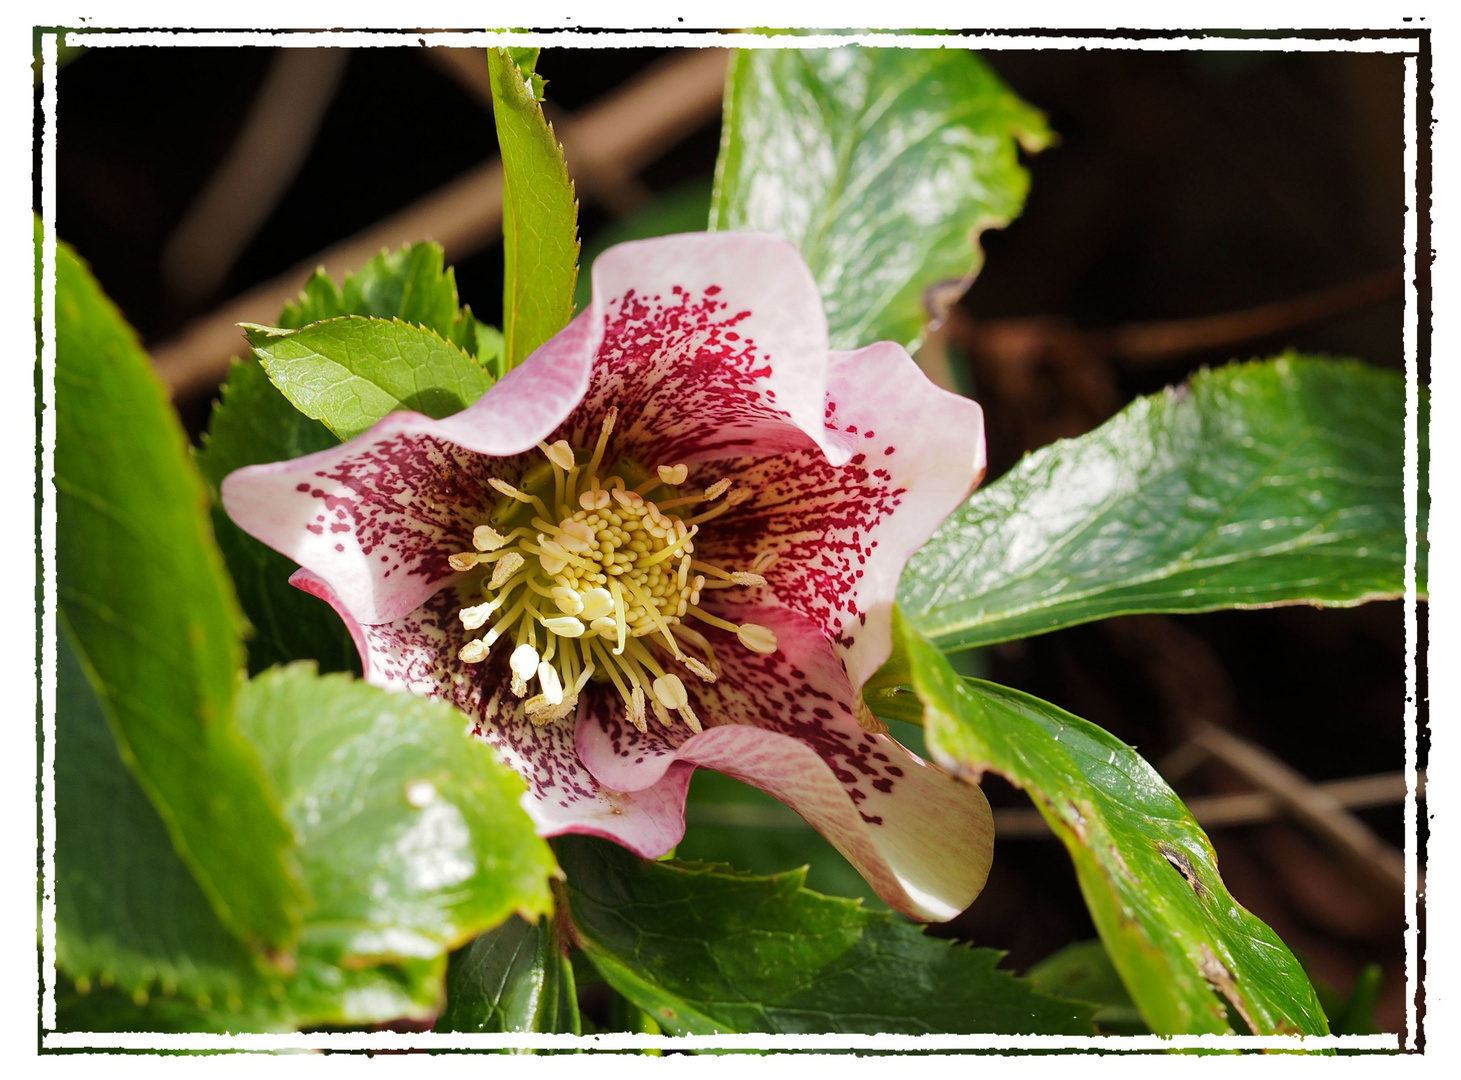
921,838
713,342
843,535
376,517
418,653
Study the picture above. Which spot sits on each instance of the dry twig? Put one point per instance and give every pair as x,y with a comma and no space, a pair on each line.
623,130
1245,808
250,181
1309,804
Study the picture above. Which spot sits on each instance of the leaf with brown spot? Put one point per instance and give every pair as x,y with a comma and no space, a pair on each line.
1173,937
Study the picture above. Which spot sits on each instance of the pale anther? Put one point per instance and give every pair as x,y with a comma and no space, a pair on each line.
673,474
741,577
560,454
462,560
758,639
568,600
593,499
596,603
508,565
636,708
627,498
577,536
473,652
524,660
564,626
698,669
717,489
552,685
553,558
508,490
486,538
670,691
605,626
473,617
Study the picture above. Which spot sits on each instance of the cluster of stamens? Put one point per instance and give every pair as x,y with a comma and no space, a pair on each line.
590,579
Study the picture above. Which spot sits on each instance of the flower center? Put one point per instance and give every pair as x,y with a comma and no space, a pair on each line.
591,572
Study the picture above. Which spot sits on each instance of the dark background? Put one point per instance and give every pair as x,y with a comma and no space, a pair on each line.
1183,185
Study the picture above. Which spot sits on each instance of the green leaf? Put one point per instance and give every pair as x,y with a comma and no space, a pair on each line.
539,215
410,831
1255,485
252,424
707,949
514,978
128,910
1147,870
397,879
411,284
351,372
142,588
882,166
140,942
1083,972
681,209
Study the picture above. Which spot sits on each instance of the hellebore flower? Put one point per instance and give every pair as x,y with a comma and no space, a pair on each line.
669,539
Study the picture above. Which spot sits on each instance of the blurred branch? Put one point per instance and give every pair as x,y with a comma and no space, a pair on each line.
1245,808
1023,341
616,188
467,68
621,131
1147,344
263,161
1307,803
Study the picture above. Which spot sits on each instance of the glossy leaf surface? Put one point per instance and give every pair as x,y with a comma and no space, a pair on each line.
410,831
706,949
882,166
410,284
350,372
1256,484
539,215
143,590
140,944
1147,870
514,978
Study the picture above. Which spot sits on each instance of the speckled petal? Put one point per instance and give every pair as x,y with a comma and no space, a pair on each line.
843,535
783,723
712,343
376,517
418,653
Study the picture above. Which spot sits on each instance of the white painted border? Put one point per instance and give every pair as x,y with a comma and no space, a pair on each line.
48,530
1179,41
1183,40
1410,340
